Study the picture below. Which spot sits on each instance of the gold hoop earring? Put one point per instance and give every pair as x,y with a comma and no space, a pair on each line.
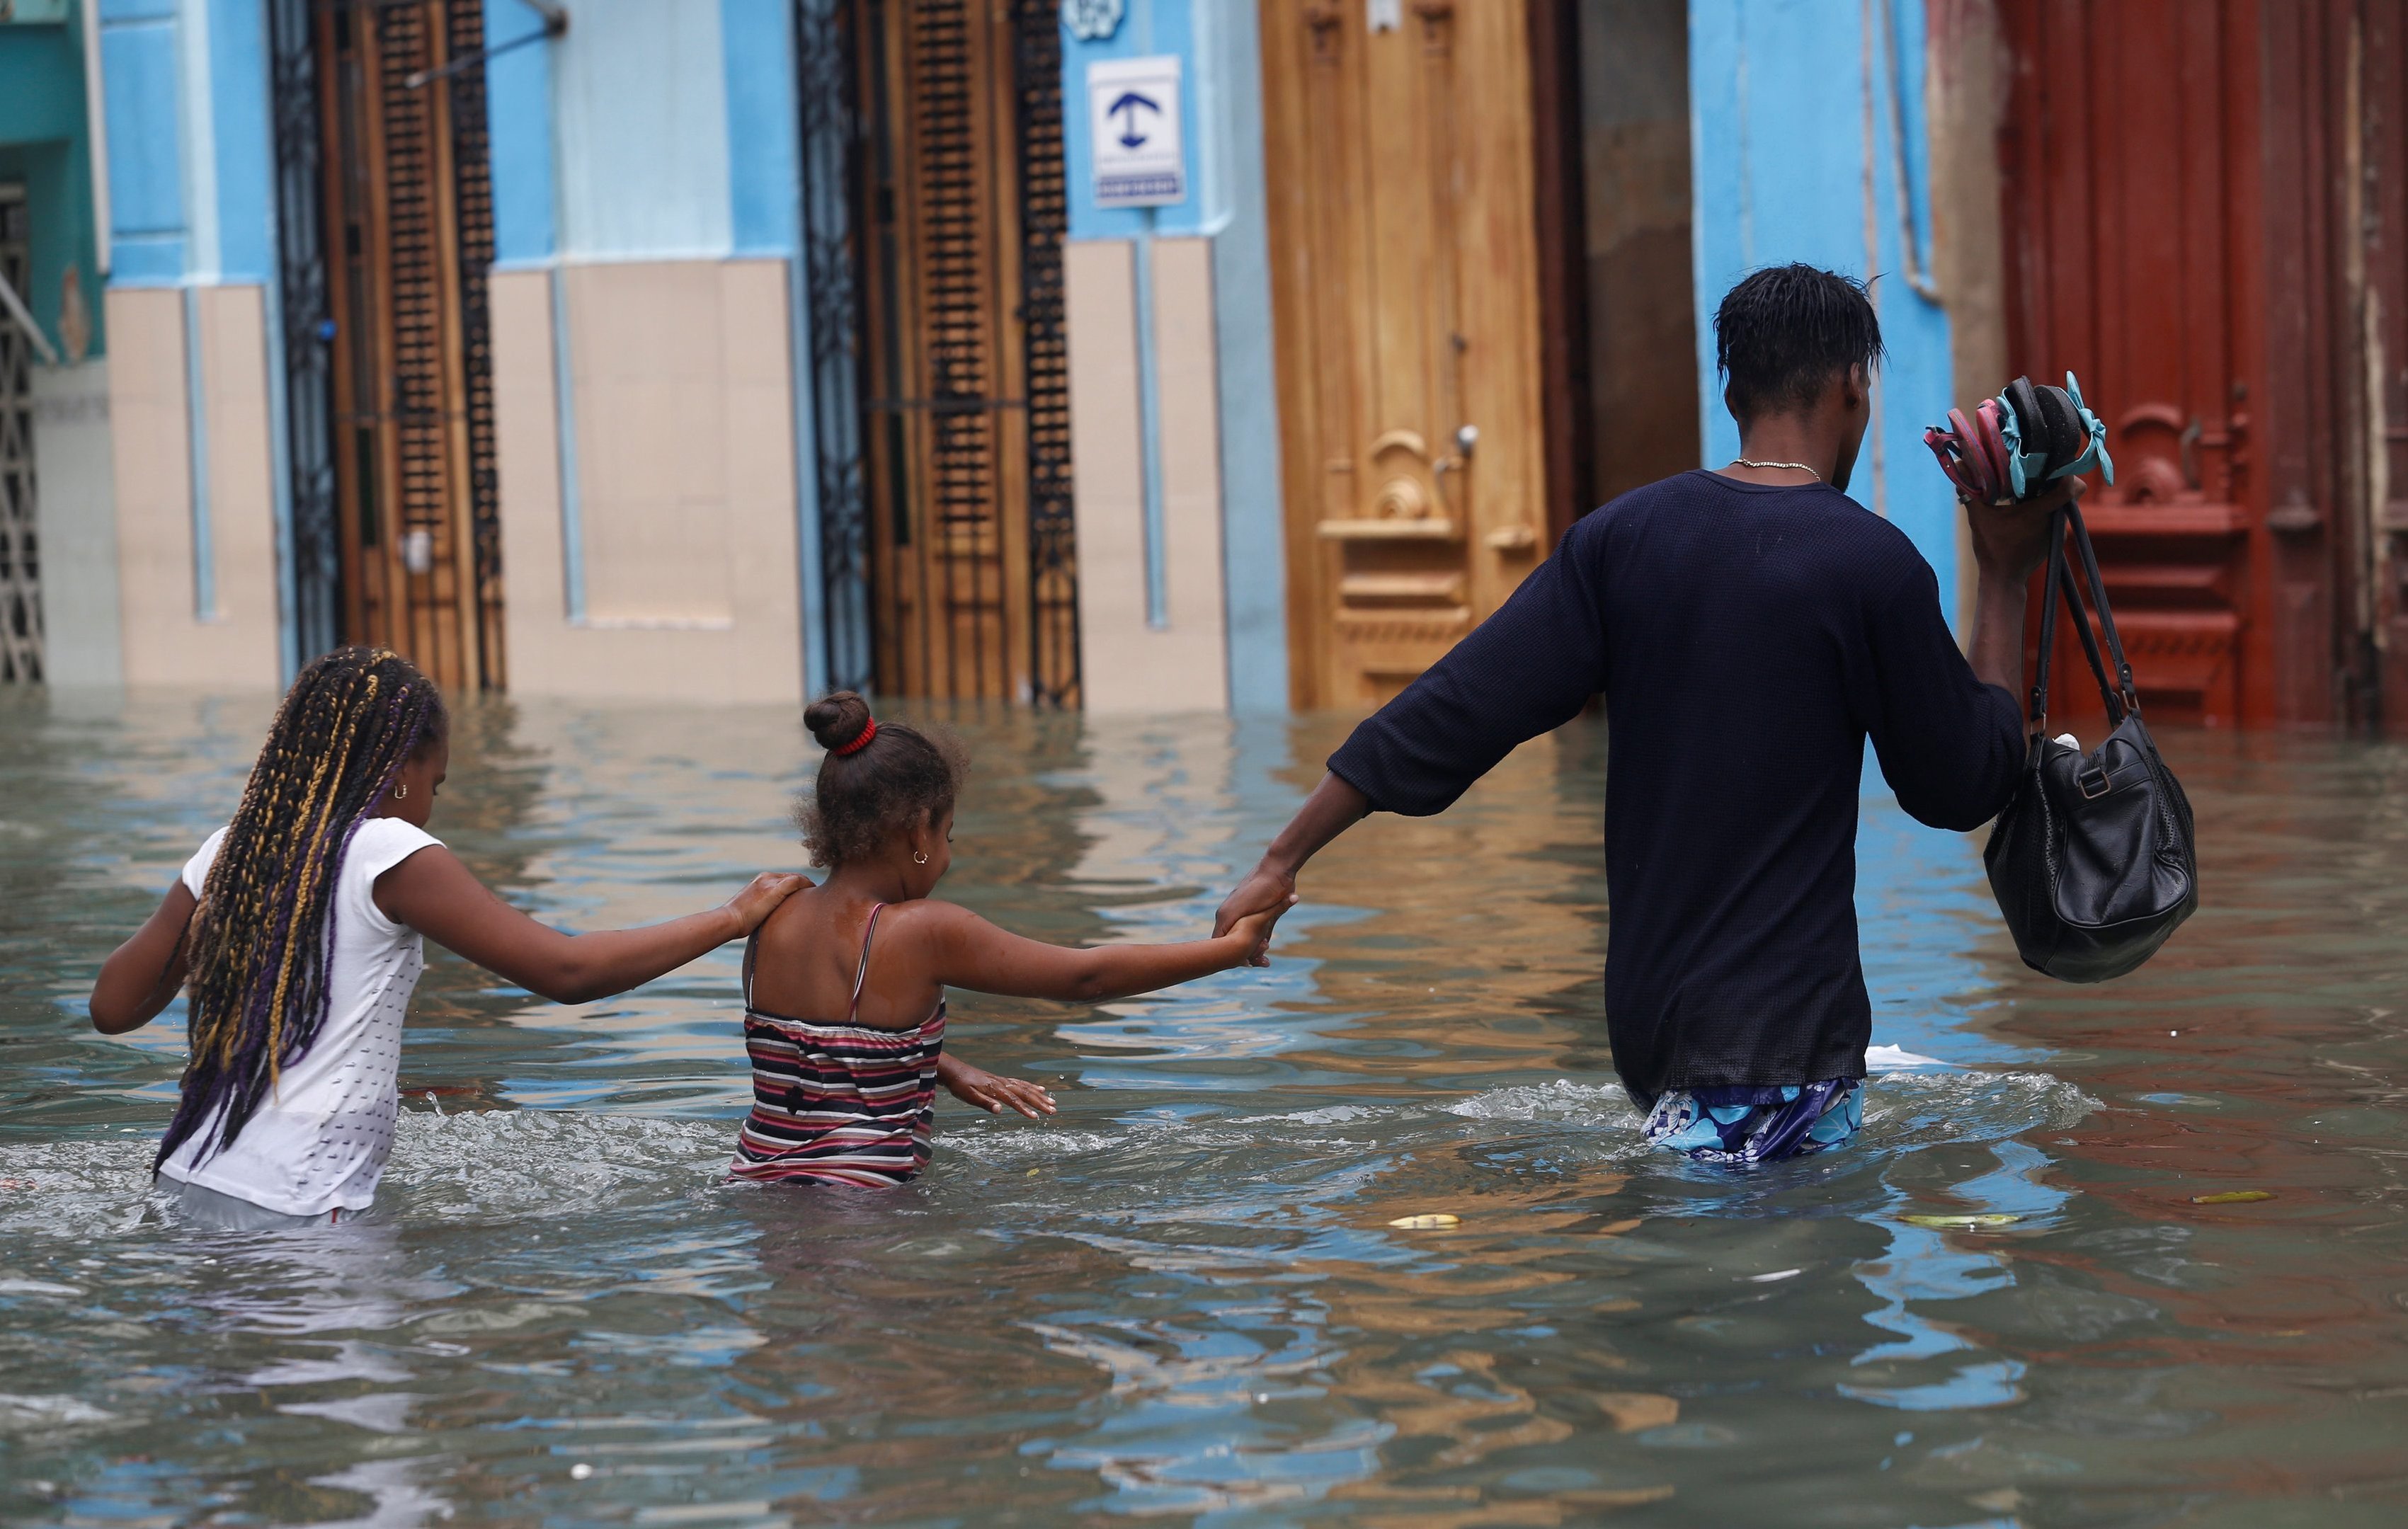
401,791
919,857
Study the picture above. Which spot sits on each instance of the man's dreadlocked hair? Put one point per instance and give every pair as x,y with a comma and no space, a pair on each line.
1786,331
257,994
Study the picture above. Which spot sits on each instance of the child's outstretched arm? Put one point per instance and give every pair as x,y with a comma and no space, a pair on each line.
433,894
966,952
436,895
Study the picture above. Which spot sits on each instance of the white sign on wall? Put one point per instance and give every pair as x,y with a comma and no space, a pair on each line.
1133,118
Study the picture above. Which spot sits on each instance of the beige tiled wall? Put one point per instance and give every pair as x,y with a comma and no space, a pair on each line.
1126,665
683,382
684,425
166,642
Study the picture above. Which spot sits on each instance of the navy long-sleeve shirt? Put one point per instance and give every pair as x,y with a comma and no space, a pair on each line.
1748,638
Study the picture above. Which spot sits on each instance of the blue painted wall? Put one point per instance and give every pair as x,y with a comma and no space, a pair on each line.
141,79
244,158
649,132
190,162
764,168
44,145
518,116
1785,168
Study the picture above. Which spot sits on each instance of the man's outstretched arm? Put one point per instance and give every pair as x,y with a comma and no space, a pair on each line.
1333,807
1526,670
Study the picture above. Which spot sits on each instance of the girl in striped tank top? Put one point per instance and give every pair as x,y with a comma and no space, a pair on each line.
844,989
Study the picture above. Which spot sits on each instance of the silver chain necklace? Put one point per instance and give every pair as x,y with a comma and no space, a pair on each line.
1743,462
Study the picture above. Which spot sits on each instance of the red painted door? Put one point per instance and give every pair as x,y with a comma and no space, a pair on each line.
2132,163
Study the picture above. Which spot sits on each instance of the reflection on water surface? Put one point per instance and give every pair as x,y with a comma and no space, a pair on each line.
1181,1297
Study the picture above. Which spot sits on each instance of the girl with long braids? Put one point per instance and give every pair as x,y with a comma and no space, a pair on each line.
299,929
844,984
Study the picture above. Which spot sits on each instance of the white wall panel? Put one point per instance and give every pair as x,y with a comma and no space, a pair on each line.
642,148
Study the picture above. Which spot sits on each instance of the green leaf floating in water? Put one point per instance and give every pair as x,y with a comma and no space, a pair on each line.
1963,1223
2234,1196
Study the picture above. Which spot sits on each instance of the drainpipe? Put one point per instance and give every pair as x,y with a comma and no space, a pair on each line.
96,117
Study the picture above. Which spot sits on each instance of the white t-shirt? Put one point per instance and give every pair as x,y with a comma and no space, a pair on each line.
320,1141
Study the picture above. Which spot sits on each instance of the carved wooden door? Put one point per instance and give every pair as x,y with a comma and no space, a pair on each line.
2136,245
1405,288
409,214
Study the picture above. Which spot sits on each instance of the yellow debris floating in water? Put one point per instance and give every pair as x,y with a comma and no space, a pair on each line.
1963,1223
1436,1220
1631,1410
2234,1196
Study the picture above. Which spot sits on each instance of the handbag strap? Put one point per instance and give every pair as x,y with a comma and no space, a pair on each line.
2059,581
2116,711
2037,712
2106,615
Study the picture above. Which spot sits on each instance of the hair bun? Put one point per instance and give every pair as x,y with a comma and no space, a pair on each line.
837,719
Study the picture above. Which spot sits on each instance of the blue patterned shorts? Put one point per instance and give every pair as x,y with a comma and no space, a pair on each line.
1747,1124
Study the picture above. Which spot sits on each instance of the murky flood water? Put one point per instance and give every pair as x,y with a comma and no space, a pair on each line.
1183,1298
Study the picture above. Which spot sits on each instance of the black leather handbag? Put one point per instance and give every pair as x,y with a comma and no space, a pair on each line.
2092,861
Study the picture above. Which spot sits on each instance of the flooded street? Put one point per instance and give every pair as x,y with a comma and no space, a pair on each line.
2028,1295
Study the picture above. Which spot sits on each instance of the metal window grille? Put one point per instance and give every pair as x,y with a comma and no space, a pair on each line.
826,34
308,327
20,553
1044,222
472,191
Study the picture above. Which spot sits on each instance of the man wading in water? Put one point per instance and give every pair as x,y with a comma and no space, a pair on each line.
1749,628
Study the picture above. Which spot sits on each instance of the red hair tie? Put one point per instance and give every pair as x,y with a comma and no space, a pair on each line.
868,731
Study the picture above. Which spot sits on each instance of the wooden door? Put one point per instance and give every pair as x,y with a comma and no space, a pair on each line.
1405,288
2356,50
967,423
2137,244
408,216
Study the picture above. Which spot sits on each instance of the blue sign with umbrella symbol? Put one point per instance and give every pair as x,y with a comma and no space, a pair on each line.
1127,109
1135,132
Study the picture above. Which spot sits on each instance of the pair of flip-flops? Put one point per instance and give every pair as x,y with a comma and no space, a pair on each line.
2014,445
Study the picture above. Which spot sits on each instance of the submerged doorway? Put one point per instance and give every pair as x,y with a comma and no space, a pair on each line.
935,210
385,197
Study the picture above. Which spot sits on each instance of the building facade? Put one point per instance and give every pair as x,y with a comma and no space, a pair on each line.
1147,354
